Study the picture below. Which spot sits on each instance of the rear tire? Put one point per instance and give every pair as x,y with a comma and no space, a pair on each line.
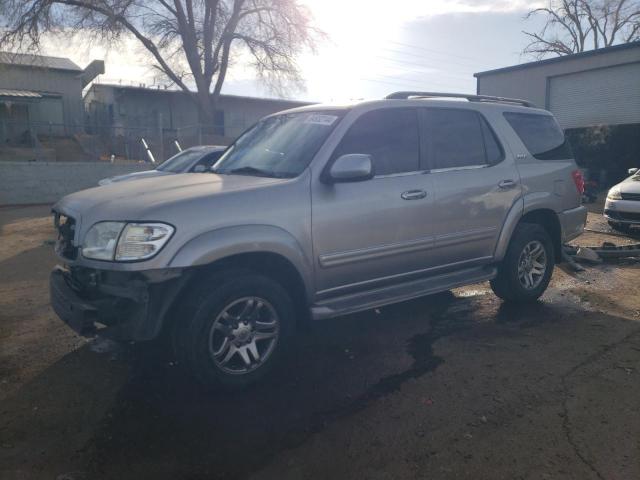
620,227
525,271
233,329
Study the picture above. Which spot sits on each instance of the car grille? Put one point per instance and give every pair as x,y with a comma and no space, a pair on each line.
630,196
66,228
628,216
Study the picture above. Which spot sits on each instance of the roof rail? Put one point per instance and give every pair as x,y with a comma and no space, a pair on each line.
470,98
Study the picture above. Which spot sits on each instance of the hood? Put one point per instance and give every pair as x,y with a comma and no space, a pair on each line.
149,198
134,176
630,185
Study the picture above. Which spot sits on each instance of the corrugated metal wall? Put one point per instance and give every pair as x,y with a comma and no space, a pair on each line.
606,96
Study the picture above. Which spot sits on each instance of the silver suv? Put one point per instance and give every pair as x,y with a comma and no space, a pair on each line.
317,212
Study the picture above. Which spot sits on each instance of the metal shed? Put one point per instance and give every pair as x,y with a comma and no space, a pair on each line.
599,87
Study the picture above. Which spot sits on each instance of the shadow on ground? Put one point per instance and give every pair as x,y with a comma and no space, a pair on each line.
165,426
139,416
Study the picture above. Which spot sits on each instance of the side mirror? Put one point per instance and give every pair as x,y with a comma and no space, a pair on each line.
633,171
353,167
199,169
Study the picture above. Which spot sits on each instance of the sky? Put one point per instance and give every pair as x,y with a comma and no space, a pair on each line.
373,48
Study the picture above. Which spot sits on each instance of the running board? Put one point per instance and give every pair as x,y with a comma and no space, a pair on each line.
379,297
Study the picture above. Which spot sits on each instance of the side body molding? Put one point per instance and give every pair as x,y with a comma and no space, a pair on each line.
225,242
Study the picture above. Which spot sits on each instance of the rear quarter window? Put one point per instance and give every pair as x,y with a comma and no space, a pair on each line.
541,134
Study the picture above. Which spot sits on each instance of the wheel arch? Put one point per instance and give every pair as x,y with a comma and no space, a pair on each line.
270,264
548,219
212,247
543,216
534,207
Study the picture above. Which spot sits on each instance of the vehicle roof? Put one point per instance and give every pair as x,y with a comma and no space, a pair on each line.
421,102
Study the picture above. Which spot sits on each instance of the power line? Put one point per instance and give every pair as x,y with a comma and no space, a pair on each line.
432,51
439,73
404,62
422,56
405,84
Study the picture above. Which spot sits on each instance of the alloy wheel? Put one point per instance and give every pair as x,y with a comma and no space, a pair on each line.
532,265
244,335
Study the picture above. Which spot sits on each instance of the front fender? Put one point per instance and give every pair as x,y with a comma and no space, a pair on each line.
228,241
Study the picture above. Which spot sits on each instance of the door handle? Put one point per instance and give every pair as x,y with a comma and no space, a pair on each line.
413,194
506,184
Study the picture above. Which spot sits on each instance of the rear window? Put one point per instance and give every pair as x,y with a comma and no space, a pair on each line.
541,134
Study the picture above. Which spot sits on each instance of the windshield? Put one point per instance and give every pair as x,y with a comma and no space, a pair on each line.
279,146
181,162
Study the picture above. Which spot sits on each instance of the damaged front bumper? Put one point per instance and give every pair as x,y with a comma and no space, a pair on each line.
126,306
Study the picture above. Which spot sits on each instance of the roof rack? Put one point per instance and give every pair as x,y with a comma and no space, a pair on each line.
470,98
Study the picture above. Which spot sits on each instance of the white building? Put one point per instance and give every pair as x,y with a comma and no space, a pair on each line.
595,96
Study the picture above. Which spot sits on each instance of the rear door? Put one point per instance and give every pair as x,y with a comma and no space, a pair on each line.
376,231
476,184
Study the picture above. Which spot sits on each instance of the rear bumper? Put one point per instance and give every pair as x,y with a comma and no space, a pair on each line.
572,222
122,306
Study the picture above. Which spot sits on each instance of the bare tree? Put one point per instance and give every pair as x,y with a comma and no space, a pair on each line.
191,41
573,26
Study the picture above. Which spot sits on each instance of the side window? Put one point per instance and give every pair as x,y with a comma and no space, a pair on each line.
541,134
210,159
455,138
492,147
389,135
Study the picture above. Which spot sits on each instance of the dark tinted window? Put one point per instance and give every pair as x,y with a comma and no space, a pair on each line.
210,159
390,136
541,134
491,145
455,138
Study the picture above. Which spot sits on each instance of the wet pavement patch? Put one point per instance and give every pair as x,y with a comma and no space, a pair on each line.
337,368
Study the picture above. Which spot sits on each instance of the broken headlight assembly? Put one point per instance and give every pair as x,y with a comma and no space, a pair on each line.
125,242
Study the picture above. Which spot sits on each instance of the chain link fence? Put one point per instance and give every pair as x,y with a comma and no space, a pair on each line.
46,141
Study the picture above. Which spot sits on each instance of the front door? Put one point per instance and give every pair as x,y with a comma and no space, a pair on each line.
476,184
375,231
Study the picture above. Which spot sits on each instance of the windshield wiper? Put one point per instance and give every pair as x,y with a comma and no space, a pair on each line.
253,171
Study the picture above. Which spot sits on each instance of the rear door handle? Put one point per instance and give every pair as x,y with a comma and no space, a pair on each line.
505,184
413,194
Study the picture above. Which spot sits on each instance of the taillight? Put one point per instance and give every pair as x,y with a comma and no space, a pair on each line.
578,179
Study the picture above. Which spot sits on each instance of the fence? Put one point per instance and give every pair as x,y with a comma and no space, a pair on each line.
46,141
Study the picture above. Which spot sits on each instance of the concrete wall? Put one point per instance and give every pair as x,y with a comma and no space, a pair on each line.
25,183
530,82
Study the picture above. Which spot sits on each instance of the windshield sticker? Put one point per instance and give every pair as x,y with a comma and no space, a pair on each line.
321,119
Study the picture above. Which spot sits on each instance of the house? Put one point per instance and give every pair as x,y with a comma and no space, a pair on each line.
129,108
595,96
41,95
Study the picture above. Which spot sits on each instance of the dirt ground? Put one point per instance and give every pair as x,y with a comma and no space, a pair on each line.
452,386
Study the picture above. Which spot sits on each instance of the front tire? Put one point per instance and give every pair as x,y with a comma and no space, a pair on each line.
526,269
234,328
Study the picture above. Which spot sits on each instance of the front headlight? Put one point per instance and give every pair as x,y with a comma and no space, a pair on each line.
125,241
142,240
614,194
101,239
